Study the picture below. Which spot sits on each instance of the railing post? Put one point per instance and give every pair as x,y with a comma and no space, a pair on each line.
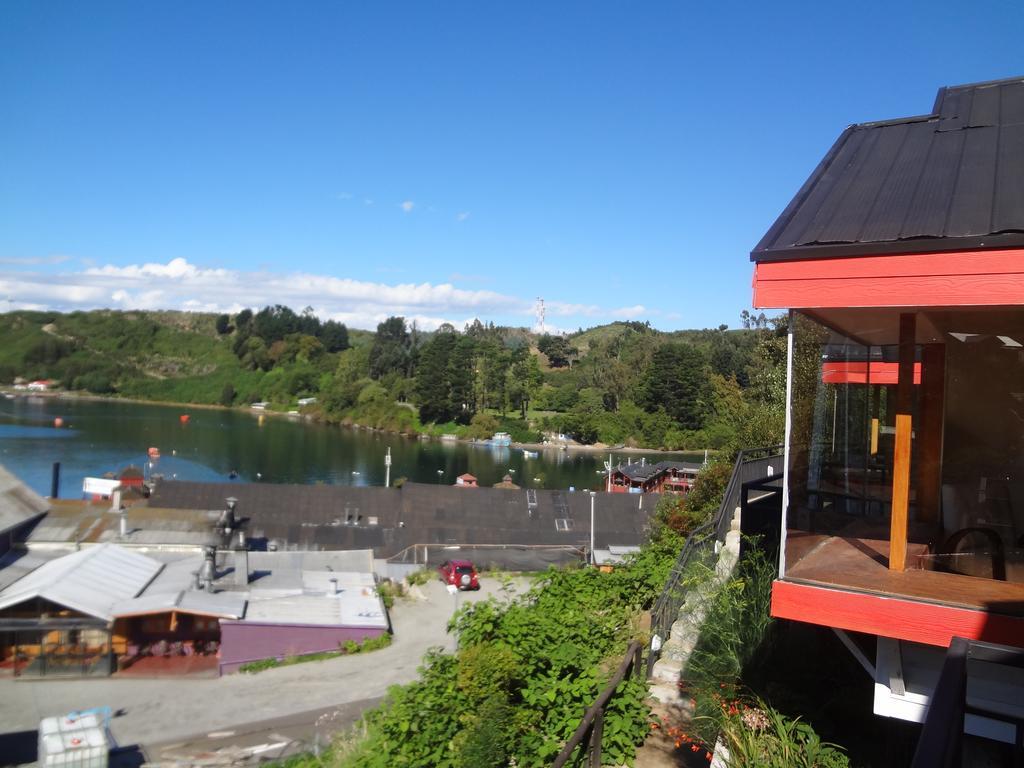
595,739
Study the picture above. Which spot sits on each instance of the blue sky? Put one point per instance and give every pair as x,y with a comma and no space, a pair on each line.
441,160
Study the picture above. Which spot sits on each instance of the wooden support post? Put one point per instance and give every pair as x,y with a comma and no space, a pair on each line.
931,416
900,494
902,448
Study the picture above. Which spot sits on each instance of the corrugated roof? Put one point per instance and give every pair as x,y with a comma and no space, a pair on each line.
949,180
358,608
18,502
90,581
227,605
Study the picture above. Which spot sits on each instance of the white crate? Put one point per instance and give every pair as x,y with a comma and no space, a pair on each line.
73,741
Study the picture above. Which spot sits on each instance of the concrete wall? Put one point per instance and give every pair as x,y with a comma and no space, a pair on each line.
245,641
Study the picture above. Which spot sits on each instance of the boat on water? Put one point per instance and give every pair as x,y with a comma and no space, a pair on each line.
501,439
530,454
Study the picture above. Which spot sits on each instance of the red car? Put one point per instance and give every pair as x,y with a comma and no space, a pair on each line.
459,573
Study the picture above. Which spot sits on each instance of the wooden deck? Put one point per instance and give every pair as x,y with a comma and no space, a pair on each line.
845,582
171,666
862,564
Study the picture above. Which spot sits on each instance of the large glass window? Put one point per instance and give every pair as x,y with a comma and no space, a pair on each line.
966,403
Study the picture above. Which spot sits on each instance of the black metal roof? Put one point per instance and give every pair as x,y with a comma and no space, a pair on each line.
389,520
641,471
949,180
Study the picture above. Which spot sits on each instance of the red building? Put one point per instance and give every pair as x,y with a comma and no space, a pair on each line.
665,476
901,261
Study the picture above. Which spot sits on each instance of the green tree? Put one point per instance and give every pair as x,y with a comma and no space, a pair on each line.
391,348
223,324
227,394
433,388
677,381
558,350
461,375
334,336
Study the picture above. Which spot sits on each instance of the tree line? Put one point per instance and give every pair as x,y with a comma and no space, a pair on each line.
622,383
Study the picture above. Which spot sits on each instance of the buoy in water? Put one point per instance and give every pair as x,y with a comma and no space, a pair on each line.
184,418
58,422
260,419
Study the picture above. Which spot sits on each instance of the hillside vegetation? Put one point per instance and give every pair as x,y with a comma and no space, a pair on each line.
617,384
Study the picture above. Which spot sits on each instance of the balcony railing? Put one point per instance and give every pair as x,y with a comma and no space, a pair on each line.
753,465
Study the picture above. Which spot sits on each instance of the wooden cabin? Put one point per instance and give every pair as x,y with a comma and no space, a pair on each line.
901,262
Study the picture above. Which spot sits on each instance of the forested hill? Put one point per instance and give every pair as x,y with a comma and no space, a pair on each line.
622,383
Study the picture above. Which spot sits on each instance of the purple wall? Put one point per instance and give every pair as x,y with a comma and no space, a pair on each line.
245,641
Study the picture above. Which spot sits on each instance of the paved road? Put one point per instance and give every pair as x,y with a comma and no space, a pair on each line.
159,711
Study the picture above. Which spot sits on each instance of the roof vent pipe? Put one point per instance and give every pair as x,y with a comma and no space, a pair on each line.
197,583
334,585
124,524
209,570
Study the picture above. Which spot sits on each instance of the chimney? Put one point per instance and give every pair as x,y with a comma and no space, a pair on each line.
209,570
334,585
197,583
241,556
124,524
115,499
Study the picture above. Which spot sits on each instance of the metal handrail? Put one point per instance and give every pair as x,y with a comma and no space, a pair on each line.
750,465
591,727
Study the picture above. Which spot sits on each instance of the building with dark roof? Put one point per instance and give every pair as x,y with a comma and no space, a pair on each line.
901,261
526,529
662,477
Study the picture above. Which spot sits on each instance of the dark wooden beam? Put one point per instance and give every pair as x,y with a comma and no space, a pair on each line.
931,416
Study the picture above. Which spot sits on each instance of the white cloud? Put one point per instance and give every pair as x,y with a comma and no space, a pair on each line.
462,215
407,206
344,195
179,284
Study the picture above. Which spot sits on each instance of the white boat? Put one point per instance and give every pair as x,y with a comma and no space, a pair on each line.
530,454
501,439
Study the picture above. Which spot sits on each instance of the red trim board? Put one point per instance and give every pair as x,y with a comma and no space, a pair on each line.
890,616
947,279
860,373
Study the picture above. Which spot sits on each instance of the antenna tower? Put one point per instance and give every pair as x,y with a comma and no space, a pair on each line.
540,315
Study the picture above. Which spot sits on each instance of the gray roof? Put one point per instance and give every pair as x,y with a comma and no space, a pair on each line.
226,605
389,520
17,563
952,179
74,522
91,581
18,503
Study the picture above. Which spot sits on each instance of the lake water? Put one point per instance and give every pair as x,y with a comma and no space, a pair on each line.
106,436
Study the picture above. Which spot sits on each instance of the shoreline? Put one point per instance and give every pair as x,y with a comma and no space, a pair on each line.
539,447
